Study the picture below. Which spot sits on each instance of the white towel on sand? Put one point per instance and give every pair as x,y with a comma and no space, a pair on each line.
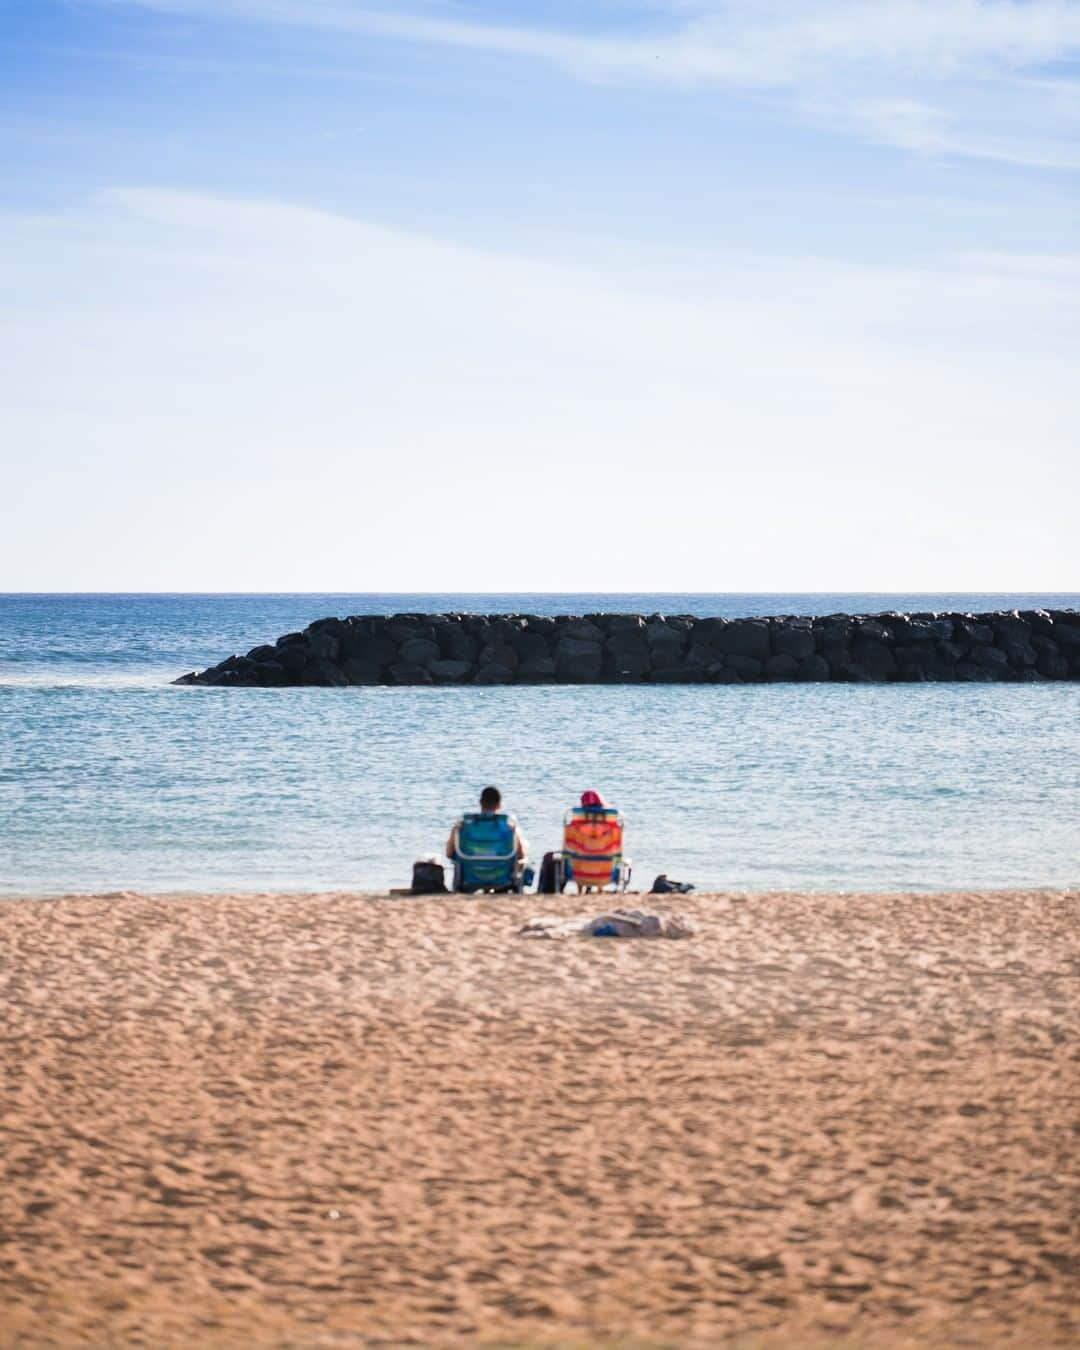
623,923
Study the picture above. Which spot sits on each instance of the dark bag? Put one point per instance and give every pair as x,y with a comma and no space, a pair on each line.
546,884
428,878
662,886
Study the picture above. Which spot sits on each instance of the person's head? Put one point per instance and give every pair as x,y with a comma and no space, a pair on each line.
592,799
490,799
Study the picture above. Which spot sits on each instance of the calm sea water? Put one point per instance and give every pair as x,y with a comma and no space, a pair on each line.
111,779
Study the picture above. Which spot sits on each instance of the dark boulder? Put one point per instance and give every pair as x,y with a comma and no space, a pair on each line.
627,665
579,662
706,631
923,662
914,630
953,651
324,674
402,629
992,658
814,669
659,632
580,630
873,655
967,629
872,630
267,652
854,673
973,673
374,648
700,657
530,645
744,637
493,673
359,672
455,644
1020,654
419,652
747,668
294,659
664,655
499,653
1067,637
720,673
324,646
537,670
679,675
505,629
1010,628
783,666
569,646
404,672
1053,667
450,672
270,675
795,639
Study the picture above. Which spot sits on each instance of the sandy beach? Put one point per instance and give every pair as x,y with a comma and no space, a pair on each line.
341,1120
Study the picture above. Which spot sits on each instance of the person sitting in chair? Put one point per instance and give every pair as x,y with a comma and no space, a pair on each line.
592,852
487,848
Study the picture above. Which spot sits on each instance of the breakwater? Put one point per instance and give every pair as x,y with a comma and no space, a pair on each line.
499,649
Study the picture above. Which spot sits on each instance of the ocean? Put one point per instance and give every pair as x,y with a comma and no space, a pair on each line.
111,779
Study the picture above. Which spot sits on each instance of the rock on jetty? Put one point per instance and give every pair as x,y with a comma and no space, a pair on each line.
490,649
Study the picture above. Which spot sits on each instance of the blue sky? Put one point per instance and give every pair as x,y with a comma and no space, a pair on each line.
803,277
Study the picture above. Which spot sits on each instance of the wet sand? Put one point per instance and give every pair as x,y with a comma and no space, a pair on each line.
343,1120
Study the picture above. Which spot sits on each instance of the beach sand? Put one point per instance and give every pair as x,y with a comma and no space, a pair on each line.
342,1120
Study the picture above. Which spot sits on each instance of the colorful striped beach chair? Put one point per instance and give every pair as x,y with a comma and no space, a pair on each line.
592,854
486,857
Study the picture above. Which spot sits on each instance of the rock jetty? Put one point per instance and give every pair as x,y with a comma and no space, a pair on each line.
492,649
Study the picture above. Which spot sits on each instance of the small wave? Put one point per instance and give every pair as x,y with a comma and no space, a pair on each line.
96,680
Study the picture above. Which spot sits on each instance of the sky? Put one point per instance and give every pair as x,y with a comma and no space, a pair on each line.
712,295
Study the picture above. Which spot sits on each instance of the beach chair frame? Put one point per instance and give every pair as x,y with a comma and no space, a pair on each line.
621,867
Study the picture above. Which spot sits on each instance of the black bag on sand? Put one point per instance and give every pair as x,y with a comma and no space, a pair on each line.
428,878
661,886
545,884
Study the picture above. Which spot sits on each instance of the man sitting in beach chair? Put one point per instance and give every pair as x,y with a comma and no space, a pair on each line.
592,855
487,849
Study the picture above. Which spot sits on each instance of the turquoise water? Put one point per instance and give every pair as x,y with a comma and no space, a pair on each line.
111,779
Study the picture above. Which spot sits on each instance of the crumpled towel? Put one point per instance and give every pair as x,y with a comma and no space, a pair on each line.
622,923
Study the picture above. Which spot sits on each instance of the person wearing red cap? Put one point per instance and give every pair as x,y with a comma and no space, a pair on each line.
592,800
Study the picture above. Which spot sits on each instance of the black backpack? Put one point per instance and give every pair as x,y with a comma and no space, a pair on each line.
428,878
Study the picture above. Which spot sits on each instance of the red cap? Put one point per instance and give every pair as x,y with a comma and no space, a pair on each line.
591,798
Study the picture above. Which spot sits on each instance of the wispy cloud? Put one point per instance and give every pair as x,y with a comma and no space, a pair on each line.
878,61
269,380
910,125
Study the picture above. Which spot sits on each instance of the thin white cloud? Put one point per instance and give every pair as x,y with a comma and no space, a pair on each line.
751,41
910,125
881,56
255,394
